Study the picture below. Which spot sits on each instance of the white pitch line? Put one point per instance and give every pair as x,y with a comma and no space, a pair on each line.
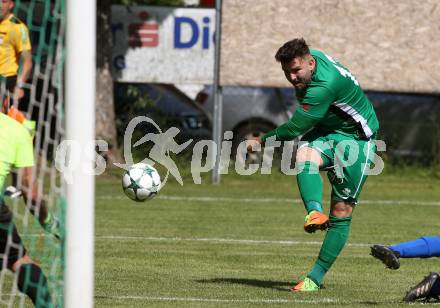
218,240
219,300
269,200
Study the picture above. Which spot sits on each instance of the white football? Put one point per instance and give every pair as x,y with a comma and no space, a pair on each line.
141,182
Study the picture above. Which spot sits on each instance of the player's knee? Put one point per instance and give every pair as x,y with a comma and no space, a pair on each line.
23,260
308,154
341,209
307,167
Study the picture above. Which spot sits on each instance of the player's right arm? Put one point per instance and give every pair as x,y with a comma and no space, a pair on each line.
309,113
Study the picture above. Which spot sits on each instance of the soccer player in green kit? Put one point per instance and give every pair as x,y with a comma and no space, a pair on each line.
338,126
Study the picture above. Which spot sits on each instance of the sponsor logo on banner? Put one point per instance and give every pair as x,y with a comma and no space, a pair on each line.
149,41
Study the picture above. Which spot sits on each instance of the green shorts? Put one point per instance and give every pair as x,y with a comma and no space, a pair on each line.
346,160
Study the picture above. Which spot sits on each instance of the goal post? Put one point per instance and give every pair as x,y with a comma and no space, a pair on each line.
80,128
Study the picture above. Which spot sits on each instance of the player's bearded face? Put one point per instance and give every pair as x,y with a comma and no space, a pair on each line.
299,71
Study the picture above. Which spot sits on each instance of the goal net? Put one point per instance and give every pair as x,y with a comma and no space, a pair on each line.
43,103
59,97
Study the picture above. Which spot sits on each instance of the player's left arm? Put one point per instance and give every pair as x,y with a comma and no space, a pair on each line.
313,108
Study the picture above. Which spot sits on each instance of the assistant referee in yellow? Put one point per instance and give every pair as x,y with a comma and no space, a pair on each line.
15,47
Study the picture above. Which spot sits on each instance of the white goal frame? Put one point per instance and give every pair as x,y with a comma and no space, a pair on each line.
80,128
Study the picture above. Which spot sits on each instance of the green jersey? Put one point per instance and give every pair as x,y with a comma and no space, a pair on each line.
332,102
16,148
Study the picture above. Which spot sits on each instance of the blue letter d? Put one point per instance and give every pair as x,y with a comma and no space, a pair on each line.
177,32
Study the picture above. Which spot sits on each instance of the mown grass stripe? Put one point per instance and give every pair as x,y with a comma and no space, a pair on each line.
266,200
219,300
218,240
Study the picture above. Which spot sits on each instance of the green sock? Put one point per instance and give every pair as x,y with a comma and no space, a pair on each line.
334,241
310,186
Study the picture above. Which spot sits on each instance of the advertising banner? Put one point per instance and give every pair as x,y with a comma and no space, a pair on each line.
163,44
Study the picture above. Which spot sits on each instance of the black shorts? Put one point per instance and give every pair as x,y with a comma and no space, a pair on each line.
11,246
11,82
9,86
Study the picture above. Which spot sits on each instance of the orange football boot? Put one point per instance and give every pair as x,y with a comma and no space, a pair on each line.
316,221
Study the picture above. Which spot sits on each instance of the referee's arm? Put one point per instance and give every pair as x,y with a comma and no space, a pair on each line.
26,59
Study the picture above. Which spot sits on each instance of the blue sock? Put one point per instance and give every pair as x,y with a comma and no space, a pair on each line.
313,206
424,247
435,290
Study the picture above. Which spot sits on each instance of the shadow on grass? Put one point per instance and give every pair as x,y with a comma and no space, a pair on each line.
268,284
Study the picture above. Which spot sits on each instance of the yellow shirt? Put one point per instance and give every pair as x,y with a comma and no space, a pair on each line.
14,39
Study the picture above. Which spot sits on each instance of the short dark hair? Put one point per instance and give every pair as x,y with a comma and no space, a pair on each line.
292,49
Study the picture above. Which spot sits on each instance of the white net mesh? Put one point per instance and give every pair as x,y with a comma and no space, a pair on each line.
43,103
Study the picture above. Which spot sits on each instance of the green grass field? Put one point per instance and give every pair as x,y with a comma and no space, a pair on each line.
241,243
